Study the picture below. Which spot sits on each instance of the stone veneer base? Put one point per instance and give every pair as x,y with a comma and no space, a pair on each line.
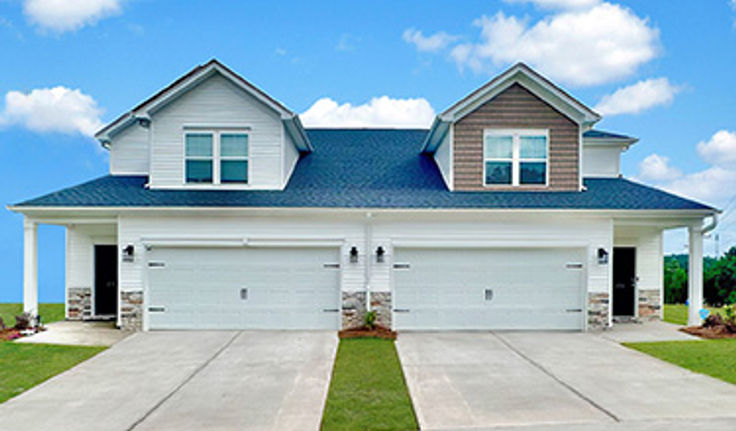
131,310
650,304
79,303
598,310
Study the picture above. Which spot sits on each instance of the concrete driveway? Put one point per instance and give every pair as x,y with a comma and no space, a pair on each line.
187,380
565,381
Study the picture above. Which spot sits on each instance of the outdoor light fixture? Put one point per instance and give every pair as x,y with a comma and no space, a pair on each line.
353,254
602,256
144,122
380,254
128,252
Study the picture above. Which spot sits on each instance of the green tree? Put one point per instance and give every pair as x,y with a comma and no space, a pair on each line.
675,281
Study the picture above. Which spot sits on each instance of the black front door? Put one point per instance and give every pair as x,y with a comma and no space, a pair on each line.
624,281
106,280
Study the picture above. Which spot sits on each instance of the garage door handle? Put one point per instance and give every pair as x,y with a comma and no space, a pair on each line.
574,310
330,310
401,310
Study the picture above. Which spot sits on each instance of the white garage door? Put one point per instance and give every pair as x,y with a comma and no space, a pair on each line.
248,288
488,288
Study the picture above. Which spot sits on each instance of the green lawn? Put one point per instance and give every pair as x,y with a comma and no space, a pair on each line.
368,391
49,312
715,358
23,366
677,313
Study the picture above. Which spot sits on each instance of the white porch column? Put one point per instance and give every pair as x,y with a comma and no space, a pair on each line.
30,266
695,274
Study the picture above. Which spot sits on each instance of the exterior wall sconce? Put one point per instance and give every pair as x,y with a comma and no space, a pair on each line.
128,253
353,254
380,254
602,256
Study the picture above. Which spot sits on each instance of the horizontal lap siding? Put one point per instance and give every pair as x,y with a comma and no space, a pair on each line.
217,101
516,108
595,232
129,151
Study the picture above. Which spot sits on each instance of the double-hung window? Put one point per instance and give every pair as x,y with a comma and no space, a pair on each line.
216,158
515,157
199,157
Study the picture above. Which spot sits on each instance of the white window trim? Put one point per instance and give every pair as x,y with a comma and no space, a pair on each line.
216,158
516,159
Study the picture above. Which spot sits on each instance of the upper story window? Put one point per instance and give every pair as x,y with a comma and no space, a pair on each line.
216,158
515,157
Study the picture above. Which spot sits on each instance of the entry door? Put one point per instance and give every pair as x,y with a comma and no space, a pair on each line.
106,280
624,281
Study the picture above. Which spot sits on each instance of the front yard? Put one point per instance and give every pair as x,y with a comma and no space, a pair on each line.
368,390
49,312
23,366
716,358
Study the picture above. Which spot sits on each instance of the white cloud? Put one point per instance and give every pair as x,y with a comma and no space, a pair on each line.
68,15
657,168
638,97
590,46
347,42
378,112
559,4
720,149
57,109
715,184
432,43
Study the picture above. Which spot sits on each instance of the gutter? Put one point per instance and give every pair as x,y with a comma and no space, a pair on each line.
712,225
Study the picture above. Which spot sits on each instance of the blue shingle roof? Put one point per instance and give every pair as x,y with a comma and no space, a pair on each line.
366,169
602,134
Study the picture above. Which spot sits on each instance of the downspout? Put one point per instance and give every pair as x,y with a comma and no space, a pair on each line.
368,263
712,225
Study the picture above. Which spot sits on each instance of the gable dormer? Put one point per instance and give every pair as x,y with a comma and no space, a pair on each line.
210,129
517,132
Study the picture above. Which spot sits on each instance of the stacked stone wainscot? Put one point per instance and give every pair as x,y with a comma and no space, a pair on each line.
131,310
599,308
79,303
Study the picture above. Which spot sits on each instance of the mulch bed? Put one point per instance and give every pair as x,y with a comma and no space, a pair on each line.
9,334
714,327
363,332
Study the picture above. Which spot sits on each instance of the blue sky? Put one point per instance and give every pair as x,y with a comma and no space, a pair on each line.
662,71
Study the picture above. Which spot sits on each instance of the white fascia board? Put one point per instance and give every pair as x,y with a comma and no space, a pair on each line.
440,127
294,128
610,142
146,110
576,111
86,211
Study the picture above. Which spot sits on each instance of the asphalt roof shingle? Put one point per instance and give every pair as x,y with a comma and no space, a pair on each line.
366,168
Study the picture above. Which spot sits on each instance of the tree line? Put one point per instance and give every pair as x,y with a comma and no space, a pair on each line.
719,279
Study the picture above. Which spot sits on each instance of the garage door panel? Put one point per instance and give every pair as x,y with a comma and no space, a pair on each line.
530,289
284,288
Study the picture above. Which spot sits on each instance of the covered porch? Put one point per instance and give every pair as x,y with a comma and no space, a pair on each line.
637,265
90,268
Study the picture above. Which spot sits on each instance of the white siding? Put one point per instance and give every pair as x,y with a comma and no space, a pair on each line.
216,101
129,151
386,230
80,261
601,161
443,158
291,156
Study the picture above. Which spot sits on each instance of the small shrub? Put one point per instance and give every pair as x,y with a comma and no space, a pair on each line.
369,320
24,321
2,325
730,313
